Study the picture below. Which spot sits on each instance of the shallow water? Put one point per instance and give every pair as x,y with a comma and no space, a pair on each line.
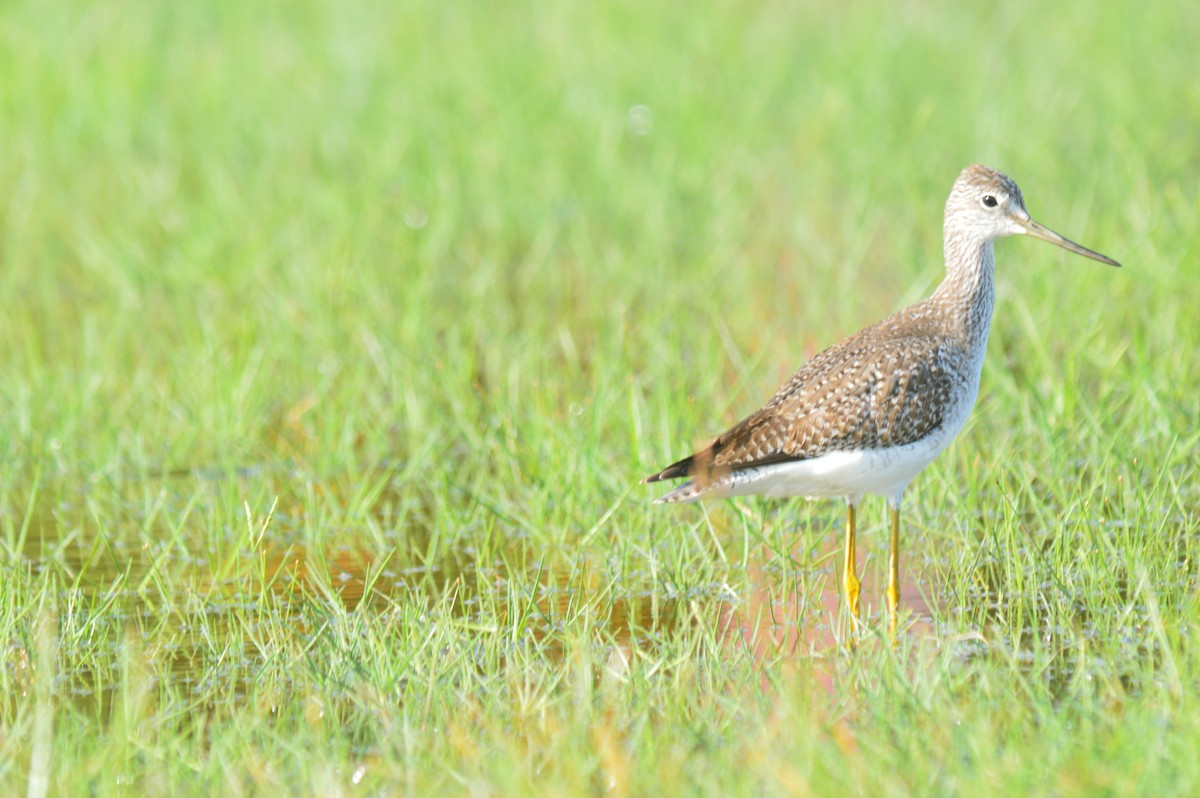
118,577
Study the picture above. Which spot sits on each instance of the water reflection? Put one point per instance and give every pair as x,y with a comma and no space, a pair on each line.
773,603
782,607
802,621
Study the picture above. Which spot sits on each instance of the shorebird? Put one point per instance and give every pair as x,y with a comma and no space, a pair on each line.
869,413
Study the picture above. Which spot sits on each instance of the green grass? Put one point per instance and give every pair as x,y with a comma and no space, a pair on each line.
335,337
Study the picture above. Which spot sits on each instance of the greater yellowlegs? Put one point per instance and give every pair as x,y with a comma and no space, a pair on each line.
868,414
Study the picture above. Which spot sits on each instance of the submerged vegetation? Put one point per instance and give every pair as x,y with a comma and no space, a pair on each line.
337,335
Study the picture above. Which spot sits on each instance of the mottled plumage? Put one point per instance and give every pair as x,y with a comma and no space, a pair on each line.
887,385
869,413
894,383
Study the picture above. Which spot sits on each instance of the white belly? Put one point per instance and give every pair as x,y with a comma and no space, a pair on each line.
849,474
880,472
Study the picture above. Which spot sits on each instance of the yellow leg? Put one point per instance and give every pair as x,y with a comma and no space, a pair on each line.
893,592
849,579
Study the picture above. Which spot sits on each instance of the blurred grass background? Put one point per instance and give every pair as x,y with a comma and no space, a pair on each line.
446,279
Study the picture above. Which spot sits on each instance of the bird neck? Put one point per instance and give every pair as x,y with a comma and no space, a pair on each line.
968,293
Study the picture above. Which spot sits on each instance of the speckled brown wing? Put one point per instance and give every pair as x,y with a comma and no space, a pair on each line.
859,394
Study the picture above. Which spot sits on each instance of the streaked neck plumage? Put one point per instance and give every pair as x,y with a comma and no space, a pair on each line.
967,295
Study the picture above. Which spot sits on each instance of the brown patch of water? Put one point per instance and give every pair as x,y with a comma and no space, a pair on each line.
784,604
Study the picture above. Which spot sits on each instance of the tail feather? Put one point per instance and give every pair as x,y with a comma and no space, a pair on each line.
687,492
677,470
704,487
706,480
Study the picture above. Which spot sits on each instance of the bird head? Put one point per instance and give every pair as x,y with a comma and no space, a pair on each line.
986,205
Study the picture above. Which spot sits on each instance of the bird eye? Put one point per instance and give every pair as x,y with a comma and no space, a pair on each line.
988,201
